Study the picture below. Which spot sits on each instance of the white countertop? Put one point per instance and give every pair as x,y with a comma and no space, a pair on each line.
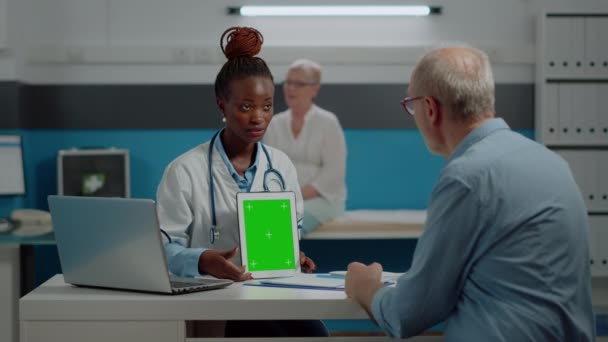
55,300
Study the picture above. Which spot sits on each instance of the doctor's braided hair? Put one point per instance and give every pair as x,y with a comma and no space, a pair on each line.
241,46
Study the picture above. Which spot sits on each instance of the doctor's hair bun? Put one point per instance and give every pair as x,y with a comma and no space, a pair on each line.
240,45
241,42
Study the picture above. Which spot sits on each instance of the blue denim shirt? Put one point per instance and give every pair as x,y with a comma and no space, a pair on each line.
244,182
504,255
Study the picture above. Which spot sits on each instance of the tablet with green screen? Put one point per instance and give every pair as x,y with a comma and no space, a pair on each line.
268,233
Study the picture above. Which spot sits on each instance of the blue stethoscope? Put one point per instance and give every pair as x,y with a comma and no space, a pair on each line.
214,233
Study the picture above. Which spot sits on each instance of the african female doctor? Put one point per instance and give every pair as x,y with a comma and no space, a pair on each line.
197,194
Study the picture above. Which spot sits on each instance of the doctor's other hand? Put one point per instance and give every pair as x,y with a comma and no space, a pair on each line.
306,263
362,283
217,263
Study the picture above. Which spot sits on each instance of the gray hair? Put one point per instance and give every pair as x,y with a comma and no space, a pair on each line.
312,69
460,78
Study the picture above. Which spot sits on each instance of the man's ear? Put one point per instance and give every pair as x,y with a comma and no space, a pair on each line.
434,110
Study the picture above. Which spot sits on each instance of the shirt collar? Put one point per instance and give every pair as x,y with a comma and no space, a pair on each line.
487,128
220,148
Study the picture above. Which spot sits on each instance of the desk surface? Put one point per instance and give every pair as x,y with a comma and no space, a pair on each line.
55,300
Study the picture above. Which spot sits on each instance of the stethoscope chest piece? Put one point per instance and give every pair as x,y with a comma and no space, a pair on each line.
214,234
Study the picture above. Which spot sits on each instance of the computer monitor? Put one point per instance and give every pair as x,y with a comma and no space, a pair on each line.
12,181
93,172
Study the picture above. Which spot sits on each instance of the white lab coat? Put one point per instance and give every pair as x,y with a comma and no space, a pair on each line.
184,208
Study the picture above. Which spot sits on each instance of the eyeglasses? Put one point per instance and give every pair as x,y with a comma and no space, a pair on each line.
408,104
297,84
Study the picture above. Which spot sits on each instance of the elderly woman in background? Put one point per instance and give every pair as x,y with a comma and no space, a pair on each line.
313,139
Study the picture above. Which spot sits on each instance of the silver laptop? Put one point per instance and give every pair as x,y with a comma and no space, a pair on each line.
116,243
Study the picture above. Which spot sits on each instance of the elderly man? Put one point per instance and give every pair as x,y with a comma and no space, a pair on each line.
504,255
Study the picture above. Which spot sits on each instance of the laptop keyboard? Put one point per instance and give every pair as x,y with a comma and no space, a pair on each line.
179,284
184,285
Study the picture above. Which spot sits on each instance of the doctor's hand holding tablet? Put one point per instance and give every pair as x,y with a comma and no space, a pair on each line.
218,264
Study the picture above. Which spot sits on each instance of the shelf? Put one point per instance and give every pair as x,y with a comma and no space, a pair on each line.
577,79
571,87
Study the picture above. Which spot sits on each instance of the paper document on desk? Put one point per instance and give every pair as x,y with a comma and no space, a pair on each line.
386,276
308,281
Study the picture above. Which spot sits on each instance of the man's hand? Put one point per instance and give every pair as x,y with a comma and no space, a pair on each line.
362,283
217,263
306,263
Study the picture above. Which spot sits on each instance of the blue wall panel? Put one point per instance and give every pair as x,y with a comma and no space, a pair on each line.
377,159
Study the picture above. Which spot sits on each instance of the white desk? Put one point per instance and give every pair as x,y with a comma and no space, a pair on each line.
10,280
59,312
10,288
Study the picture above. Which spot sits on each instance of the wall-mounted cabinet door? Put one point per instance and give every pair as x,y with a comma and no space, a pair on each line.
596,45
598,235
565,46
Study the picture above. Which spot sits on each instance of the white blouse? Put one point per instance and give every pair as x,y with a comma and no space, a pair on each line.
318,153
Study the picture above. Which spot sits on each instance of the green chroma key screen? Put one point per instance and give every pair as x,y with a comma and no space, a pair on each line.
269,235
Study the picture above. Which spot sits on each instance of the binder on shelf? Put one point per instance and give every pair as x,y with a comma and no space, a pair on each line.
603,113
578,162
550,126
566,110
565,40
591,178
596,46
598,234
590,113
603,180
579,112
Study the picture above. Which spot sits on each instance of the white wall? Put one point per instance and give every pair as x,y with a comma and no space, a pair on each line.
7,62
176,41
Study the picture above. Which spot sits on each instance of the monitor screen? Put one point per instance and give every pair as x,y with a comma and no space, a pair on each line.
103,173
12,181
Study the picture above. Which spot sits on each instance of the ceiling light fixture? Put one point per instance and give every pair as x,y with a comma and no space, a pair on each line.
357,11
